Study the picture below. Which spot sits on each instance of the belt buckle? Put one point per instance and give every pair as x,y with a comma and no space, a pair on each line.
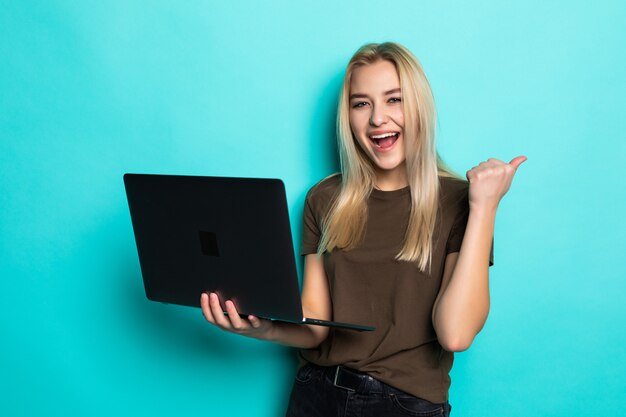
335,380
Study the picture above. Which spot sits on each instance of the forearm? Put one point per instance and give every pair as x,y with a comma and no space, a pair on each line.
463,308
297,335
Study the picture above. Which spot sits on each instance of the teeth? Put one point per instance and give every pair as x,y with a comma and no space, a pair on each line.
384,135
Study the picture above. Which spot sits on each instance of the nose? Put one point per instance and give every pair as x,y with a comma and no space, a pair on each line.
378,116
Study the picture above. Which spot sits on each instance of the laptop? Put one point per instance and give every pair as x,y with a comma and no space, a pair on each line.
221,234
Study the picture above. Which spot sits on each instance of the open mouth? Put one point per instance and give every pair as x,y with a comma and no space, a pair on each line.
385,140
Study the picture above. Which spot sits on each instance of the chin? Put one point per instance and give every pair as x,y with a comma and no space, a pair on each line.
389,165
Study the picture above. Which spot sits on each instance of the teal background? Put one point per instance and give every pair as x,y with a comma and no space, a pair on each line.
91,90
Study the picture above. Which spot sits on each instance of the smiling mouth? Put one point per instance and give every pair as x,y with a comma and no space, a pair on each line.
385,141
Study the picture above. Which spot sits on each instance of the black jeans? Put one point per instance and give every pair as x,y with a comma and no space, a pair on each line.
318,392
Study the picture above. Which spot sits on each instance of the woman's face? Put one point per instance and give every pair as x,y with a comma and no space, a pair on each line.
376,116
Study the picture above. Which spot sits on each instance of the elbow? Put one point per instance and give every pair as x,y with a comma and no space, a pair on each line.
319,334
456,342
458,336
323,335
455,345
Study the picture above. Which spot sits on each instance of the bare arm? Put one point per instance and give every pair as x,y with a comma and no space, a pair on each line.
462,305
315,303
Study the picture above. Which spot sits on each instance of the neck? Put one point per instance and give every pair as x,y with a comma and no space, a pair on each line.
391,180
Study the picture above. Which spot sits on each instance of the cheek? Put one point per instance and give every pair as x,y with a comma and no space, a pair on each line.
355,119
398,116
358,123
359,137
360,141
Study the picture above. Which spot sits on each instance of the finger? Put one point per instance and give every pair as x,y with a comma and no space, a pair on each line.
218,313
206,309
517,161
233,315
254,321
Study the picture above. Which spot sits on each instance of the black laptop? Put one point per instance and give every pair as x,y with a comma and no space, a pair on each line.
226,235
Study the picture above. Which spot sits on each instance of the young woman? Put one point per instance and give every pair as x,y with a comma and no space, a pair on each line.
396,241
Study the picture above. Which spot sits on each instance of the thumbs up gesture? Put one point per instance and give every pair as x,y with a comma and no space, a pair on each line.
490,180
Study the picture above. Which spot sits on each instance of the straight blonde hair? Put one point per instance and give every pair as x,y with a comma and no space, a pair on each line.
343,226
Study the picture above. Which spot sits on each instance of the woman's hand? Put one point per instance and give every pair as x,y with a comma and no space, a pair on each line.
316,303
490,180
252,326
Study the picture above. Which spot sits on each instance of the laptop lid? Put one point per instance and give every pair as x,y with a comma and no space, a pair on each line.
227,235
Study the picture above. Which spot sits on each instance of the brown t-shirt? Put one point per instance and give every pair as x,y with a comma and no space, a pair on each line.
368,286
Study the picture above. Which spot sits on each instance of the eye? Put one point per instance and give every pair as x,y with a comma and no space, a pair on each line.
395,100
358,104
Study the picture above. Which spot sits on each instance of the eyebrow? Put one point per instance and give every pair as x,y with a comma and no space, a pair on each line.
395,90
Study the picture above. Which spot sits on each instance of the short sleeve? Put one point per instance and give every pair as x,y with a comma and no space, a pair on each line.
458,231
311,231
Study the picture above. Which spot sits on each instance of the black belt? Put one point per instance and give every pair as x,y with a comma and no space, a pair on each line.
359,382
352,380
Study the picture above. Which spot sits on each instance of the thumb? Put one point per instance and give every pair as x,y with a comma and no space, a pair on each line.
517,161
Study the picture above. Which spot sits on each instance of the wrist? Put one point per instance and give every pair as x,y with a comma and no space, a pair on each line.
484,209
273,333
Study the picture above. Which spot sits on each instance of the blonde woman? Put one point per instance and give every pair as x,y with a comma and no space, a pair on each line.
396,241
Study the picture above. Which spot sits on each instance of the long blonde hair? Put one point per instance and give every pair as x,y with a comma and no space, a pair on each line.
344,225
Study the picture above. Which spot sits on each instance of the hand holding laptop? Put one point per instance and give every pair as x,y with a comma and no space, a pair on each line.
288,334
253,326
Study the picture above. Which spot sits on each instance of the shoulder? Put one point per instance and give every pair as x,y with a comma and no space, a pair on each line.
325,189
321,195
453,191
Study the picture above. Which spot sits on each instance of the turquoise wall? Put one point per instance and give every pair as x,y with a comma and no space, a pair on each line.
90,90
